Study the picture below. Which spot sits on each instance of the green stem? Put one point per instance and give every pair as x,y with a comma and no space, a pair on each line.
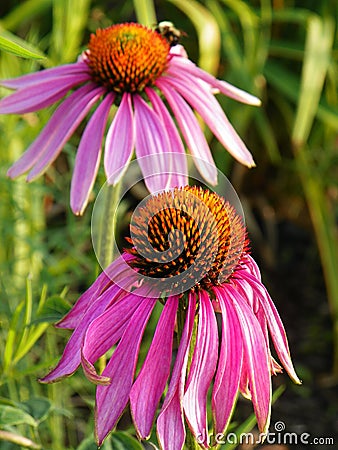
107,236
145,12
108,224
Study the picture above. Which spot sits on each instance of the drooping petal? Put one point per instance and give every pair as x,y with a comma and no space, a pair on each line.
150,383
71,357
207,106
183,66
255,357
112,399
152,147
88,156
106,330
229,366
275,324
40,95
43,75
180,166
202,369
37,148
191,131
170,423
64,128
120,141
119,271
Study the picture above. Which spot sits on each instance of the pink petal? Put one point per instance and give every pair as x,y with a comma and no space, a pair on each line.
229,366
71,319
191,131
71,356
207,106
170,423
88,156
150,383
275,325
37,148
202,369
105,331
178,66
256,357
180,166
120,271
120,141
40,96
65,127
48,74
111,400
151,142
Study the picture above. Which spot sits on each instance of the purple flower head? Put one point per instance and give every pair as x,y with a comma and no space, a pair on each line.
135,69
189,256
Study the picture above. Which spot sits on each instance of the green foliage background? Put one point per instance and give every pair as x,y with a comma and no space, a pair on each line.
283,51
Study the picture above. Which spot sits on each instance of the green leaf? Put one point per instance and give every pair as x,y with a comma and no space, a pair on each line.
11,337
122,441
37,407
288,85
10,415
12,44
53,309
317,56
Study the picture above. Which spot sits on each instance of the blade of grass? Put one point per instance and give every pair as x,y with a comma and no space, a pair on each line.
207,31
288,85
145,12
68,28
317,55
249,22
319,41
18,47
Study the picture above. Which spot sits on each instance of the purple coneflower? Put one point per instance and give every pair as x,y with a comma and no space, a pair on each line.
190,255
135,69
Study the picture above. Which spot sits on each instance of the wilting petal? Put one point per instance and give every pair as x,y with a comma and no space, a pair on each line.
191,131
202,369
88,155
120,141
71,357
112,399
170,423
150,383
40,95
107,329
255,357
65,128
207,106
229,366
48,74
152,143
180,166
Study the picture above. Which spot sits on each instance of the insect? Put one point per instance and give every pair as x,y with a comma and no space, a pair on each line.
169,32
